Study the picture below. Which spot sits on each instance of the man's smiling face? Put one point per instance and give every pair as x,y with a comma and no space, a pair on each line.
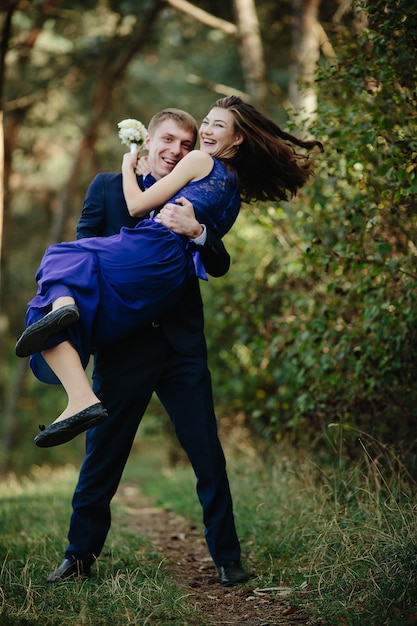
168,145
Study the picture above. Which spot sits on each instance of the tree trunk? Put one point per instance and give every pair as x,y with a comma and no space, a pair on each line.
6,408
251,50
4,46
309,38
112,71
2,181
250,44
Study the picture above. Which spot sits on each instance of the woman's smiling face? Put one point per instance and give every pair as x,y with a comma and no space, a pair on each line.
217,131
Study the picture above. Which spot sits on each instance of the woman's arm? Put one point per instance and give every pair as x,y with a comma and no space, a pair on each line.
193,166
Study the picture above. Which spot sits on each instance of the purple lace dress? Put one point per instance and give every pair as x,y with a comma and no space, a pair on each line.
125,281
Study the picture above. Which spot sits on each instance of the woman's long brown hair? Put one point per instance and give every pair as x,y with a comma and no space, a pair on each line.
267,164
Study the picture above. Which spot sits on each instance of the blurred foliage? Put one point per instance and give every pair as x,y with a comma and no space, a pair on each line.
64,59
315,322
319,324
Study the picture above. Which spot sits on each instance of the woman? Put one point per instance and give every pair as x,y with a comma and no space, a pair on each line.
103,288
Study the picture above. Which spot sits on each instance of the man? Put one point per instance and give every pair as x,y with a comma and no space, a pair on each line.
170,358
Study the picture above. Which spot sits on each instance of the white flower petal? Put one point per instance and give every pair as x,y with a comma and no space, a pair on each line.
132,131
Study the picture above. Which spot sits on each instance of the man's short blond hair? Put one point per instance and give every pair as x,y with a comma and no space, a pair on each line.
182,118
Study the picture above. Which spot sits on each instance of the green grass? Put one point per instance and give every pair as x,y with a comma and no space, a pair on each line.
128,588
348,530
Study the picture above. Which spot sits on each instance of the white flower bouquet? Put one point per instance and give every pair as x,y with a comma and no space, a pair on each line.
132,133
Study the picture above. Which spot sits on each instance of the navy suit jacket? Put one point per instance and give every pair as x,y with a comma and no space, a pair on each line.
105,212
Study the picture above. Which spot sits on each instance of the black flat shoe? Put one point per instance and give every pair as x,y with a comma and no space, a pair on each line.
67,569
67,429
34,338
232,574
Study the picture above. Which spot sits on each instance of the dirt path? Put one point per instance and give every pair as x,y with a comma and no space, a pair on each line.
186,558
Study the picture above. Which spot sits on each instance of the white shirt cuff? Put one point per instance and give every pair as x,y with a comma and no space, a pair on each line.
201,239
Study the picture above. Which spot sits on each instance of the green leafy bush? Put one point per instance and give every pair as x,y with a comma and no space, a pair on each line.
324,308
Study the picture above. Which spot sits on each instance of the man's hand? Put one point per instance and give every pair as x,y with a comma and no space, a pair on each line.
180,218
142,166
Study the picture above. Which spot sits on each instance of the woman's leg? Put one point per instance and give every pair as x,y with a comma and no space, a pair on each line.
64,313
65,362
62,301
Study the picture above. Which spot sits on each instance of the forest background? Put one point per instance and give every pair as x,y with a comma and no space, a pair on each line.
312,333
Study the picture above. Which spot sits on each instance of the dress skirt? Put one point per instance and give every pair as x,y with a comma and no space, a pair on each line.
119,283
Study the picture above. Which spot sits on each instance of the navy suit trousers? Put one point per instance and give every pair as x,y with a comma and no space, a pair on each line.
147,363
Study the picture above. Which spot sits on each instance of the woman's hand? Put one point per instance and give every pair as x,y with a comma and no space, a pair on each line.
129,161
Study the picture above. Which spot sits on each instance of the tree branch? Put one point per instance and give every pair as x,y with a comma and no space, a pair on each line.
202,16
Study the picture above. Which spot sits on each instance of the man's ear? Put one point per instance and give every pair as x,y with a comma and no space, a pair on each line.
147,142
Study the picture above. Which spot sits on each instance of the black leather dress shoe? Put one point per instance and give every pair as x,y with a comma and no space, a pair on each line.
67,429
68,568
232,574
34,338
